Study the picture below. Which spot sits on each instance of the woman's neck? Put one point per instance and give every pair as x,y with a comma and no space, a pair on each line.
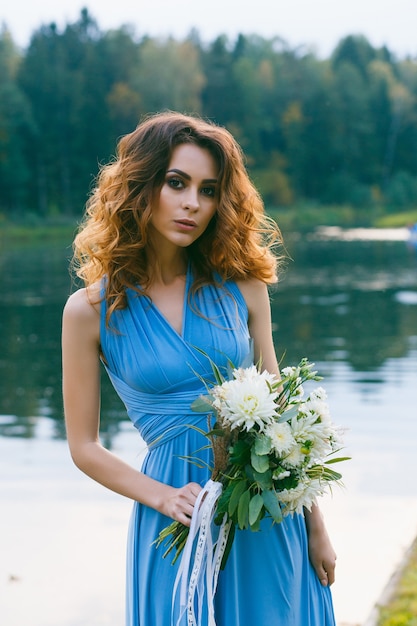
165,270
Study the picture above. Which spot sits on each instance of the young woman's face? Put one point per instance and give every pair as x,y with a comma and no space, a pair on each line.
188,198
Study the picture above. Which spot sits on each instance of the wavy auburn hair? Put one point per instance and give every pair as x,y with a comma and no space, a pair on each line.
113,241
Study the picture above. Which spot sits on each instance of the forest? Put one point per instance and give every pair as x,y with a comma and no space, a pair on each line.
340,131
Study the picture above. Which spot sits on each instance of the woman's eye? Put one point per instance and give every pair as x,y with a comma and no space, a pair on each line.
208,191
175,183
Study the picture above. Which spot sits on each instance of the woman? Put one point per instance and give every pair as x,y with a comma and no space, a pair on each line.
175,252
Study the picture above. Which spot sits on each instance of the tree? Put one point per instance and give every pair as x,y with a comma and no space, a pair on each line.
169,76
16,131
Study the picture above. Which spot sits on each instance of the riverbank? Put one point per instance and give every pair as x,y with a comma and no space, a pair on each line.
36,231
301,218
397,605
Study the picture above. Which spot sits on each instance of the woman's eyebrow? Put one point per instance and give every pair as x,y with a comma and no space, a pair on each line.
188,177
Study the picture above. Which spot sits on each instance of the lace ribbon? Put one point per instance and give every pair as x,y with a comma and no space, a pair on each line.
201,559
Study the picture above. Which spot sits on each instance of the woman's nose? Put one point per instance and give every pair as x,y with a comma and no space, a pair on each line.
191,199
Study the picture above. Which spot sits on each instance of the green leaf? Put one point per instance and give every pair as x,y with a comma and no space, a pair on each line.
217,374
243,510
202,405
260,463
215,432
240,453
338,460
263,479
250,472
223,504
289,413
197,462
262,444
235,496
255,507
323,473
272,505
329,474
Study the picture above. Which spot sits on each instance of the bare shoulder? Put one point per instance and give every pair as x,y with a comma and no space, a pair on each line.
82,312
83,303
255,293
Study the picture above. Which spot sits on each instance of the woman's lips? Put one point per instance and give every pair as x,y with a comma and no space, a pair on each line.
186,224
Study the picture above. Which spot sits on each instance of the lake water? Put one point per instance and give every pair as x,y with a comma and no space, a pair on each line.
348,305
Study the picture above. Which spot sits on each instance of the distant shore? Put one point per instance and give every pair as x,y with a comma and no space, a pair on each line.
321,222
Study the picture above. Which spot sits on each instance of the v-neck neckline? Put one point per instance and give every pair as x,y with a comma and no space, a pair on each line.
184,307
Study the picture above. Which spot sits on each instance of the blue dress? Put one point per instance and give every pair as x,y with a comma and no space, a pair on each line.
268,579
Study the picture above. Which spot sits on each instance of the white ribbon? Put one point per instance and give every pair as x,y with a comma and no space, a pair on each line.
197,575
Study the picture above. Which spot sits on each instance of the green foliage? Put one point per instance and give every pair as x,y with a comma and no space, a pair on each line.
397,220
317,133
401,610
272,505
304,217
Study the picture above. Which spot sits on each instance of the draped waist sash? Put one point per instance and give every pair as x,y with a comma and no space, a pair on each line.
146,409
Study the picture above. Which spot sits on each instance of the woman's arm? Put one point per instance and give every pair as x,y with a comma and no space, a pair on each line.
322,555
81,391
256,297
320,549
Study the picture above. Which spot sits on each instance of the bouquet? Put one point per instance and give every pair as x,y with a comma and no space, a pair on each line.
272,454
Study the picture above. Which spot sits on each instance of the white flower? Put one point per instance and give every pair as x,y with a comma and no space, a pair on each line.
295,458
302,426
281,475
245,373
316,404
303,495
318,393
281,437
289,371
249,374
247,400
314,437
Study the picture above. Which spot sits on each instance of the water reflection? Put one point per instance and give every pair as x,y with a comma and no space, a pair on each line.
347,301
352,303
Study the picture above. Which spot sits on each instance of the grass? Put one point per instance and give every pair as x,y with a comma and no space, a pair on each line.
36,232
307,217
401,607
395,220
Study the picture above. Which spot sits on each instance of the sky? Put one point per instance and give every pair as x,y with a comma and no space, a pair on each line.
318,24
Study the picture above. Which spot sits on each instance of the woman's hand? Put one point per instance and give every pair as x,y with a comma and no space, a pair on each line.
179,503
322,556
320,549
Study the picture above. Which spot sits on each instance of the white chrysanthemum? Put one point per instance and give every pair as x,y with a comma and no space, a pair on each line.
289,371
295,458
246,401
317,406
303,427
302,496
281,437
313,435
243,374
318,393
336,437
